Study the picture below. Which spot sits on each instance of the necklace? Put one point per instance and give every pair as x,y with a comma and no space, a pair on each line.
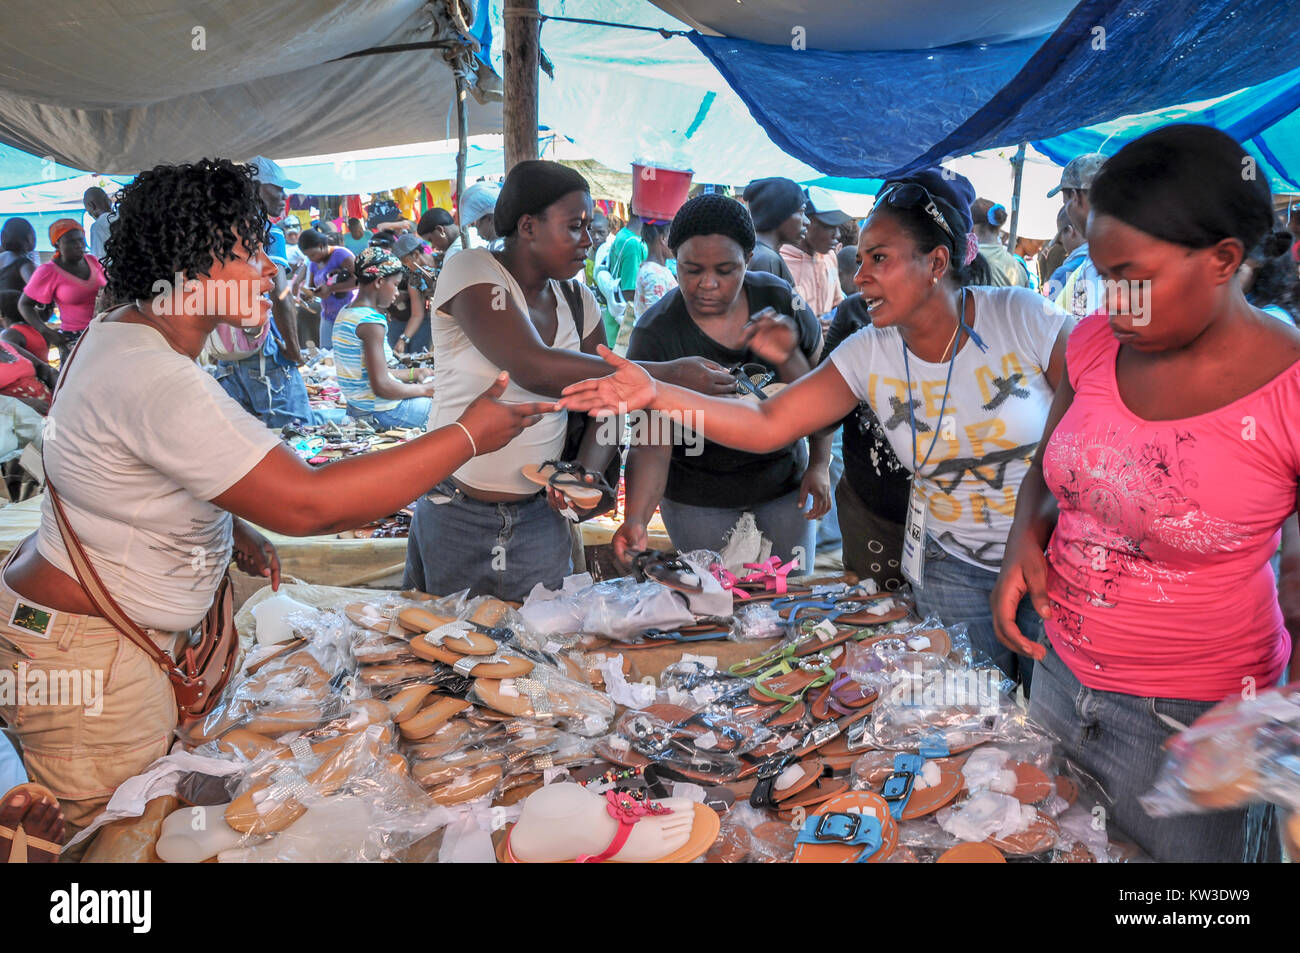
950,341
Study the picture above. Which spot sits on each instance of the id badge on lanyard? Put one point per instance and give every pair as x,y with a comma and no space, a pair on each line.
913,562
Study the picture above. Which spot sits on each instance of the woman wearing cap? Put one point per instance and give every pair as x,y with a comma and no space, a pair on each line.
408,329
515,310
362,354
1006,268
961,379
158,470
1169,468
70,282
703,491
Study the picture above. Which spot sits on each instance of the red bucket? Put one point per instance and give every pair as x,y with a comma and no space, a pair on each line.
659,193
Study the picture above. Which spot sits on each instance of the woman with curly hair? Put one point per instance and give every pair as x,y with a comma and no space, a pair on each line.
158,469
362,355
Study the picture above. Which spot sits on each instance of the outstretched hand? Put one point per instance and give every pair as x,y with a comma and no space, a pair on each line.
630,387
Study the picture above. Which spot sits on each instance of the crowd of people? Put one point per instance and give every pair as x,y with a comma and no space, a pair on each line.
1049,452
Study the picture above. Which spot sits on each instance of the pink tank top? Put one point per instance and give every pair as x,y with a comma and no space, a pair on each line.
1159,565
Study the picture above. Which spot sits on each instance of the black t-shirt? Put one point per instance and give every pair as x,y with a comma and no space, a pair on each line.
720,476
870,464
768,259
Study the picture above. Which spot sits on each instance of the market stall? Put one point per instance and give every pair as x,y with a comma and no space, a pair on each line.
825,724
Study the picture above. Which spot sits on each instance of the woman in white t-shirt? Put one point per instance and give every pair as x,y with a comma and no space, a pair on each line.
517,310
158,470
961,379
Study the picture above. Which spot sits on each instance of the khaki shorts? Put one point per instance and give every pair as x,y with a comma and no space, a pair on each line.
89,707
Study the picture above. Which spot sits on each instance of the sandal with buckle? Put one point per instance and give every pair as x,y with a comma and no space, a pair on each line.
583,487
852,828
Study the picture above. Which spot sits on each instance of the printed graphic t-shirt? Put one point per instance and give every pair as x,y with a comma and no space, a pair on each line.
989,429
1159,564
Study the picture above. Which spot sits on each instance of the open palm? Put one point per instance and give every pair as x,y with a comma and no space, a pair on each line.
630,387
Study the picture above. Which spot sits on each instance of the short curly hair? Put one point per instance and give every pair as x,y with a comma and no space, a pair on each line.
177,219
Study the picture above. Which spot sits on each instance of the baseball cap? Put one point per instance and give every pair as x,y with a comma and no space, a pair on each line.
269,173
823,207
290,223
1079,172
406,244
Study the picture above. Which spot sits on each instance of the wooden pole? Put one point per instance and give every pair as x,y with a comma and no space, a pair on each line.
519,113
1018,163
462,147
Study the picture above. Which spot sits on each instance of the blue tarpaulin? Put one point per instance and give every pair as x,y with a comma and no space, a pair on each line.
873,113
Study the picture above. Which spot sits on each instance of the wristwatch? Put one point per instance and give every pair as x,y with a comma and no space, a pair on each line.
404,339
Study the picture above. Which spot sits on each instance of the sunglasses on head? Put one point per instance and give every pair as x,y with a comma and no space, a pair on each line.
910,195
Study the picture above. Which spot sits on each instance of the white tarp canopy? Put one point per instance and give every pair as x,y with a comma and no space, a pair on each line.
122,85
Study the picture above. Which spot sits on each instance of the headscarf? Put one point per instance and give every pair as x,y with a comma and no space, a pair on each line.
376,262
61,227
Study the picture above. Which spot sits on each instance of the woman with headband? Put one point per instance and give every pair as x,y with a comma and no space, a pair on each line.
69,281
961,378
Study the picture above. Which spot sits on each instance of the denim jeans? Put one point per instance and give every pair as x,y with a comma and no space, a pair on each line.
495,549
957,591
781,520
326,333
278,398
1119,740
829,535
423,340
411,412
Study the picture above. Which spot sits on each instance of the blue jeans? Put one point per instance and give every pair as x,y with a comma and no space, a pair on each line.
422,341
781,520
829,535
411,412
495,549
1119,740
957,591
327,332
278,399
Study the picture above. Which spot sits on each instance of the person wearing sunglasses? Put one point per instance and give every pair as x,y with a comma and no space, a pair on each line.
960,377
748,321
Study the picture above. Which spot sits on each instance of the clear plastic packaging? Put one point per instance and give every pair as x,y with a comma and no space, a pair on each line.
1241,751
619,609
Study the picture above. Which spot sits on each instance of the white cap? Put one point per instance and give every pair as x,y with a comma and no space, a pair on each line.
269,173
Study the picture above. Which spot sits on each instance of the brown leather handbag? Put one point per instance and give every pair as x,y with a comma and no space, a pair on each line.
206,663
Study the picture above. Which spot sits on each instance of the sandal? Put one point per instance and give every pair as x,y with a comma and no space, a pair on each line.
584,488
39,810
853,828
667,569
751,379
728,580
782,683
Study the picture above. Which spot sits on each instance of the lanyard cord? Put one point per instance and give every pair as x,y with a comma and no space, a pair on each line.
911,411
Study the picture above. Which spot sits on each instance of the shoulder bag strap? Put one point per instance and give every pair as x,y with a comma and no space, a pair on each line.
572,291
99,596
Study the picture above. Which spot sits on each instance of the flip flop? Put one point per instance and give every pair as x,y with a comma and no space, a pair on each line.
469,788
842,828
46,851
972,852
462,636
704,831
789,683
427,720
370,616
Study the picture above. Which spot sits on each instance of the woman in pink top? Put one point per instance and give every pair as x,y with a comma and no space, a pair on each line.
69,281
1160,495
